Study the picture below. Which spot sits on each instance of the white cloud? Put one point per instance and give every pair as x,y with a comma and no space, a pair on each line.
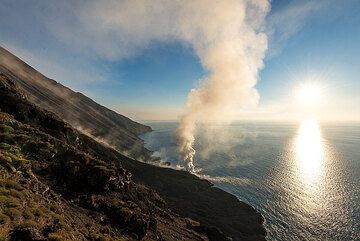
286,22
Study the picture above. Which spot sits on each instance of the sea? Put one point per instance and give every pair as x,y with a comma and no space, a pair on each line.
303,177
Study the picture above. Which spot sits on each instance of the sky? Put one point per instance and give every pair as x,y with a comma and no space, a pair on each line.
146,71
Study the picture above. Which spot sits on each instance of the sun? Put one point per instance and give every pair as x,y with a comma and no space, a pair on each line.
309,94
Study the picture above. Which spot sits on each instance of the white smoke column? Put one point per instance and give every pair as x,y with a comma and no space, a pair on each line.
226,37
225,34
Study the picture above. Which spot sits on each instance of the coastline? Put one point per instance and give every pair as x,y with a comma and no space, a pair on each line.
198,199
185,194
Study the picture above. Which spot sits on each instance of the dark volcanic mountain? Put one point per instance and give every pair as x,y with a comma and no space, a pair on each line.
58,184
54,184
76,109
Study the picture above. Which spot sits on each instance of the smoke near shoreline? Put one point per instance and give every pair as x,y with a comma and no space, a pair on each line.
232,49
227,36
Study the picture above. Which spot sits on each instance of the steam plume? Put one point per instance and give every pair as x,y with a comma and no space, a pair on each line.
225,34
231,49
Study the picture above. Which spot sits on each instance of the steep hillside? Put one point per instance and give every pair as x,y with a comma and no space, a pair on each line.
53,187
75,108
100,191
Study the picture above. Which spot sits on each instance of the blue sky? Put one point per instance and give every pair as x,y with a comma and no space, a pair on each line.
309,41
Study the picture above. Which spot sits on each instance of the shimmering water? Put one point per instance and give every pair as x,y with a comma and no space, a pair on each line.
303,177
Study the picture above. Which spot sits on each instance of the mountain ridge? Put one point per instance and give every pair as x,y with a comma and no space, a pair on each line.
75,108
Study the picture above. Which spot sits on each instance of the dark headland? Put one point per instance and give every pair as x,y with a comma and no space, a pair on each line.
64,175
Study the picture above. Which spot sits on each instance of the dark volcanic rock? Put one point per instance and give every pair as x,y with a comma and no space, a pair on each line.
190,196
53,188
75,108
103,189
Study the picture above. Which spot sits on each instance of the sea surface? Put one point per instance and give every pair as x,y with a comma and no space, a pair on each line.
303,177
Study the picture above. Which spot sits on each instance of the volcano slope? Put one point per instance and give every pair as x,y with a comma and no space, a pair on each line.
75,108
57,183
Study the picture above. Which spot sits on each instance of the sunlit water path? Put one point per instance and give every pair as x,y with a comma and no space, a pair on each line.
304,177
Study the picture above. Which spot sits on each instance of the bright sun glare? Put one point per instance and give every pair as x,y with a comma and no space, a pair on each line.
309,147
309,94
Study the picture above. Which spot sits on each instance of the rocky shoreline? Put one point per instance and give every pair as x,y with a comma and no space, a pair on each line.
126,198
190,196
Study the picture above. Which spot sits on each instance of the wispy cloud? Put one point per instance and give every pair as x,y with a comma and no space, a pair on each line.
287,21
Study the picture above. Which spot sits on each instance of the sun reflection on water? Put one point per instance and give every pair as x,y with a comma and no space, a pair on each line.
309,148
309,157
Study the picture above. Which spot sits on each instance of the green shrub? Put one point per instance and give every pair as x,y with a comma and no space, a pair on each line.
55,208
10,184
55,237
7,138
61,222
30,147
105,169
93,235
13,213
4,234
5,146
16,194
27,214
3,218
106,230
105,237
21,138
21,164
5,159
46,152
8,202
4,191
37,212
7,165
27,224
6,128
5,162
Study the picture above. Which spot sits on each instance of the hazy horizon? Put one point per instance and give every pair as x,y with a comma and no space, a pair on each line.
303,177
257,98
149,79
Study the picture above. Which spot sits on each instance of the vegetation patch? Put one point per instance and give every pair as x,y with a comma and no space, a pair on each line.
3,218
